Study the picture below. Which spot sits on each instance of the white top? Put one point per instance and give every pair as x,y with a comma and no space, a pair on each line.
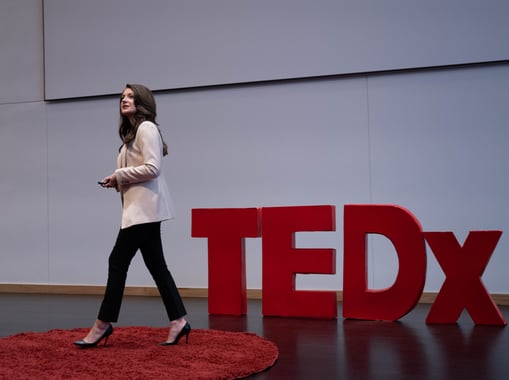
145,196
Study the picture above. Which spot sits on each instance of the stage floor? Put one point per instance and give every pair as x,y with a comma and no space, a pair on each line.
309,349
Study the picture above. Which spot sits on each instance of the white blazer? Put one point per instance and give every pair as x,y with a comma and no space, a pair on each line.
145,196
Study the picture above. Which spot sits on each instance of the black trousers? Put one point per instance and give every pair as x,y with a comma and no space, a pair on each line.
147,238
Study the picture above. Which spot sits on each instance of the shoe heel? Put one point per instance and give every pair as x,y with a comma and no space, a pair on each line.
82,344
185,331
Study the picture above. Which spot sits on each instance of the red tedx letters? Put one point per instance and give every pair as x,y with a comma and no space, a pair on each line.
226,230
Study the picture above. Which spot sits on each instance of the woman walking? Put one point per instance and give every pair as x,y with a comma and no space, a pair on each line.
145,204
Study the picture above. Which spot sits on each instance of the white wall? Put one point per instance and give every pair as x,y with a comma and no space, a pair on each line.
189,43
433,141
21,41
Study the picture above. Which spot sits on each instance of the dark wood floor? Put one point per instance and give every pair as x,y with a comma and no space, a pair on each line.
309,349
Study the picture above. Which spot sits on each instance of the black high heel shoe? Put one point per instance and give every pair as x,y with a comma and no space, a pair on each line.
82,344
185,331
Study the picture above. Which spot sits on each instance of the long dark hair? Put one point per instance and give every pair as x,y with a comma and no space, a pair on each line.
145,111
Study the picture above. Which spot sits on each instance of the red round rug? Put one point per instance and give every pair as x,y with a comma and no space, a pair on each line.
134,353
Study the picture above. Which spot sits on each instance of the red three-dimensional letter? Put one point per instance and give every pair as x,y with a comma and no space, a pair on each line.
226,230
405,232
463,268
282,261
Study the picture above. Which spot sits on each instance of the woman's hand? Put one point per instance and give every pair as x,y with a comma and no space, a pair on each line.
110,181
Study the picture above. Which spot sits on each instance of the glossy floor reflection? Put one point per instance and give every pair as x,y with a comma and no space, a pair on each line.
309,348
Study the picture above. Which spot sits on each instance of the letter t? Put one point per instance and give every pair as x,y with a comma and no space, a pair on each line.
226,230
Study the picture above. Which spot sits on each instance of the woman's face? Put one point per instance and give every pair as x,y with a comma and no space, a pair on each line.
127,106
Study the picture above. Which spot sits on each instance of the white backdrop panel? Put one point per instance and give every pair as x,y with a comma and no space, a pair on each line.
83,217
92,46
21,44
23,194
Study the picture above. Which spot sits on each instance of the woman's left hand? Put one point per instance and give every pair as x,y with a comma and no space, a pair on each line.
110,181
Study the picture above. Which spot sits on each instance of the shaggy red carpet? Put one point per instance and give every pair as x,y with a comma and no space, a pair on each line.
134,353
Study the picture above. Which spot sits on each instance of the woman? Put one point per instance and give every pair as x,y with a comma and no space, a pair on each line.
145,203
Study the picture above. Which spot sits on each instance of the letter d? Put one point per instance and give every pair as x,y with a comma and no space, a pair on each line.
405,232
